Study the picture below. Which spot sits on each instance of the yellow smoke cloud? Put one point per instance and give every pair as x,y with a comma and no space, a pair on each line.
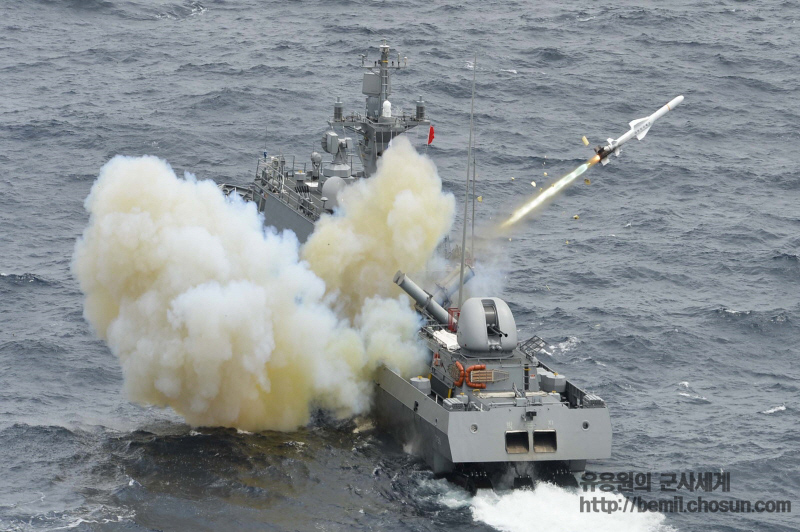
222,321
392,221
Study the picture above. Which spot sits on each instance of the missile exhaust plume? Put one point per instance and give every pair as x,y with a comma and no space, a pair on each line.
220,319
638,130
549,193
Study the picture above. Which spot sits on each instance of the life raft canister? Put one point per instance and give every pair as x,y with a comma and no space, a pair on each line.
469,373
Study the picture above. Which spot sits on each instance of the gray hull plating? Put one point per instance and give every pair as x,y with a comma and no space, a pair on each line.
279,215
445,438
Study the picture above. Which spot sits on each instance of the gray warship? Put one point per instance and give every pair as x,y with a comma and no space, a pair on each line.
488,413
293,195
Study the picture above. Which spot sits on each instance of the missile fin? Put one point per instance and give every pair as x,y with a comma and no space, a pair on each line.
640,127
638,121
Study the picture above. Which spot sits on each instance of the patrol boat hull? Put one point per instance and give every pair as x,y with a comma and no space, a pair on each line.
496,438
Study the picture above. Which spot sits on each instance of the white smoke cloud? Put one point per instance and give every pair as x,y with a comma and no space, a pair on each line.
392,221
222,321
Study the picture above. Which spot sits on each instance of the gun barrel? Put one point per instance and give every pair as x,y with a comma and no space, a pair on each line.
423,299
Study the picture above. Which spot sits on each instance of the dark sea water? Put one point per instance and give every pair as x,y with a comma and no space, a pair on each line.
676,298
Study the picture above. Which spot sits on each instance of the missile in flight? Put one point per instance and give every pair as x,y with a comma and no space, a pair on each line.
639,129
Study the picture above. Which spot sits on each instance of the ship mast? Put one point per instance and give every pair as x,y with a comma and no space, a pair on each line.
386,89
466,188
379,125
472,244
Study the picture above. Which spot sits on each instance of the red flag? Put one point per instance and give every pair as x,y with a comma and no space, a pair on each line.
430,135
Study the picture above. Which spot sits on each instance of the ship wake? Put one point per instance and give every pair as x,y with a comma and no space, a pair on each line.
549,507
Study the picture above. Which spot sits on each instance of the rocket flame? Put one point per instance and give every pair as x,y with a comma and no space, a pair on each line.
551,192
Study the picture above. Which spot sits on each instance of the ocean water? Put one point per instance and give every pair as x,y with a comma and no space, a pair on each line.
674,296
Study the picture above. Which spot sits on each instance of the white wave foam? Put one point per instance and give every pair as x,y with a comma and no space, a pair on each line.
197,9
780,408
694,396
737,312
550,507
127,515
566,345
590,359
690,392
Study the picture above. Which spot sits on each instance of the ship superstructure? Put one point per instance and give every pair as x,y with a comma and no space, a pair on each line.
293,195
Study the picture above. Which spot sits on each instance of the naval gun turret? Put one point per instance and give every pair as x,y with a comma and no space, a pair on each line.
487,327
488,405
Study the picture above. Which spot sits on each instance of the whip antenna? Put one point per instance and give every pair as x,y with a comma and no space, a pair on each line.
466,188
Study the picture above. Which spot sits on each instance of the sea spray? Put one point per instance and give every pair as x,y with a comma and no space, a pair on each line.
550,507
547,507
392,221
219,319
